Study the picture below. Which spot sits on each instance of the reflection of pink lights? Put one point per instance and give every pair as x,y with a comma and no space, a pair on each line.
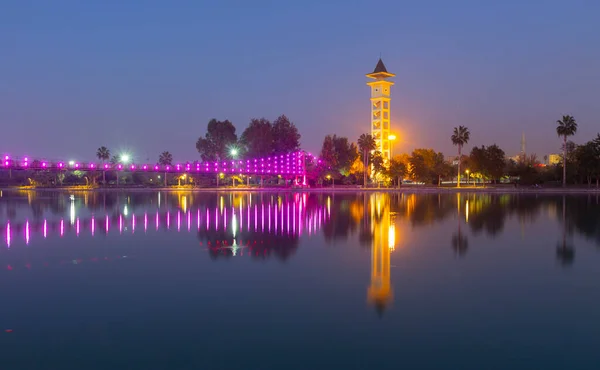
106,224
62,228
157,219
93,227
27,232
132,223
8,234
178,221
120,223
77,226
45,231
168,220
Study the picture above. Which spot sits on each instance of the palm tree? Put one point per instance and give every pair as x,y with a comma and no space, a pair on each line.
459,138
165,159
565,127
366,144
103,154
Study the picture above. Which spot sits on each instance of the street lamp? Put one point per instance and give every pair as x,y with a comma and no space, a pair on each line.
233,152
125,158
467,172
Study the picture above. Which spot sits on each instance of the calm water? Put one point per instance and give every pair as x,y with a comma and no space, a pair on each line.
299,281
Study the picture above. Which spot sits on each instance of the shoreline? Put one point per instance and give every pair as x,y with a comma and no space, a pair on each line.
407,189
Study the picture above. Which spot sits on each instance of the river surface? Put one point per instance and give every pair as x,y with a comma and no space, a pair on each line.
299,281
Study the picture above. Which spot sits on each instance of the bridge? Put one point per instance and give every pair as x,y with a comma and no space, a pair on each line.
286,165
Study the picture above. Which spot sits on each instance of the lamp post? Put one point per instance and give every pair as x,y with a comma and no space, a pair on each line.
467,172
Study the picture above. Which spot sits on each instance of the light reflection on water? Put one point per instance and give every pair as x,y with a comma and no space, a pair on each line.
449,274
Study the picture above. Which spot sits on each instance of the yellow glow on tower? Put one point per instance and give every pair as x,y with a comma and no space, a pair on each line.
380,108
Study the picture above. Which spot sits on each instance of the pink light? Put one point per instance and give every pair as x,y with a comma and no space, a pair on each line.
93,226
106,224
119,166
26,159
105,166
61,165
6,163
133,166
76,165
92,165
168,168
77,227
6,157
62,228
25,164
156,168
145,167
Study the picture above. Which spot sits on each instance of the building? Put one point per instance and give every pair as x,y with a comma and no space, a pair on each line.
380,108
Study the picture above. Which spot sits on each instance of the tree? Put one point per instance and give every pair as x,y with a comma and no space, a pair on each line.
488,161
338,153
423,163
441,168
216,144
496,160
378,163
565,127
103,154
587,158
165,159
366,144
396,170
286,137
460,137
257,138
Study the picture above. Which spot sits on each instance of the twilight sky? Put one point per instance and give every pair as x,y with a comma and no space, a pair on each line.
146,76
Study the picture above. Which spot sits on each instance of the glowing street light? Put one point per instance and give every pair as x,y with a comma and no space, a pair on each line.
125,158
233,152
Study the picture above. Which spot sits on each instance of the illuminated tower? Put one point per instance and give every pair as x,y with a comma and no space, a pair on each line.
380,107
380,291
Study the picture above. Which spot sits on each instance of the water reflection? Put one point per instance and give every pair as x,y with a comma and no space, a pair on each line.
261,224
383,230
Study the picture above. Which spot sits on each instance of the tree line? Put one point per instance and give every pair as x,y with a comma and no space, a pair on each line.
358,163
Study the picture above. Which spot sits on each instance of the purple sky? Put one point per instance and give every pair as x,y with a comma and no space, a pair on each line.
146,76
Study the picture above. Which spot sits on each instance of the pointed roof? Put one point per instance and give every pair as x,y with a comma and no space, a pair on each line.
380,67
380,72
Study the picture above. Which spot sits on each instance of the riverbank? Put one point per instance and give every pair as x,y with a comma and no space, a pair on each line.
404,189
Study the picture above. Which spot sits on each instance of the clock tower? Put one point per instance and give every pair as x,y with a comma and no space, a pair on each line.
380,108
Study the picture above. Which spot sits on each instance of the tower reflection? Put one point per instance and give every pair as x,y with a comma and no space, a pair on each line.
380,292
